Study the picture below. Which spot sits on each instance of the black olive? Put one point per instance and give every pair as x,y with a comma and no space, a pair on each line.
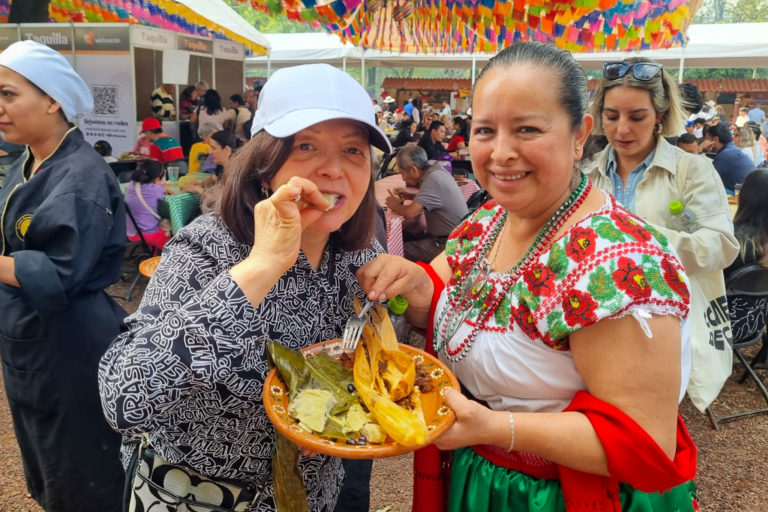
362,438
351,441
360,442
351,388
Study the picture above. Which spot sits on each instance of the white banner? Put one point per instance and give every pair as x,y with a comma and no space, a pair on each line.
109,77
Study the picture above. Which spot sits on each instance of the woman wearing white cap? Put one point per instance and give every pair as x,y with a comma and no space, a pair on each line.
277,261
62,234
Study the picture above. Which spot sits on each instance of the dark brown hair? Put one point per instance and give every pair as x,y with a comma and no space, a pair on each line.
253,167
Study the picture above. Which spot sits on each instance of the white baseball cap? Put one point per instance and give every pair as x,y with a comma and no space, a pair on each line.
298,97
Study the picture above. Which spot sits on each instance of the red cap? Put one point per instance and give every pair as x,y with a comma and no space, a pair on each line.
398,111
150,123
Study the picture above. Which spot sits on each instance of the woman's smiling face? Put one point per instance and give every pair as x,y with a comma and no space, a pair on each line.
522,144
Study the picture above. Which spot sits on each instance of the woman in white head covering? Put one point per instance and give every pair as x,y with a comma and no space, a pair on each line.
62,239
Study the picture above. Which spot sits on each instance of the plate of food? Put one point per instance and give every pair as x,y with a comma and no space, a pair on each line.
383,399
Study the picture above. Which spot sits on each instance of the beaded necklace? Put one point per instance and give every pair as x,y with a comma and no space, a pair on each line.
476,293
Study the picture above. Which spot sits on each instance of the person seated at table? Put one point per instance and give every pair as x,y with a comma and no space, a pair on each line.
730,162
200,159
104,148
438,197
276,261
406,133
223,145
750,225
432,141
687,142
744,139
142,195
460,137
164,149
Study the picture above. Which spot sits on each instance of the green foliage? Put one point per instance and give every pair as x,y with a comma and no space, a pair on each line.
273,23
732,11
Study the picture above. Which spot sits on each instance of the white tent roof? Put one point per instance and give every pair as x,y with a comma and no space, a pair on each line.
720,45
219,12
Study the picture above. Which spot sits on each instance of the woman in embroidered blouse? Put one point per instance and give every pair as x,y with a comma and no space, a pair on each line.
553,295
275,262
636,105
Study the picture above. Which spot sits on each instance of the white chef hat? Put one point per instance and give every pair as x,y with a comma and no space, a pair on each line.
51,72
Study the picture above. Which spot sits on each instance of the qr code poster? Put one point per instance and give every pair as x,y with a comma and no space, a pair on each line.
105,100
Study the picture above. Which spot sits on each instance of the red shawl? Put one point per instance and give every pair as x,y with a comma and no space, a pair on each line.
633,456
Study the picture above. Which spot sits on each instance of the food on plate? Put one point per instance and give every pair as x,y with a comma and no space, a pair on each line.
375,400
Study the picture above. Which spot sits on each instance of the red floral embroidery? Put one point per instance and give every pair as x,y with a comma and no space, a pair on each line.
631,227
581,243
468,231
523,317
631,278
563,344
540,280
579,308
674,279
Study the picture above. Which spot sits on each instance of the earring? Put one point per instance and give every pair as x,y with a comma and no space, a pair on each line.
266,191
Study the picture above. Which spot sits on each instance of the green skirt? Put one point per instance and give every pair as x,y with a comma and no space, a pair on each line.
478,484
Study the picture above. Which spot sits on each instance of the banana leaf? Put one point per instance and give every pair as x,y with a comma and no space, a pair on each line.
290,366
289,492
324,372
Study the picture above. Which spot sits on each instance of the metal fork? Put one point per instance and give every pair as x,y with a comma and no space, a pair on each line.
354,329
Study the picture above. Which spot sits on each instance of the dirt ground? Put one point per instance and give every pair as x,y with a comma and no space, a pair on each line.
732,464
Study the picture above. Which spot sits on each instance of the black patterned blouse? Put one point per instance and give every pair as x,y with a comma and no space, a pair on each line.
190,368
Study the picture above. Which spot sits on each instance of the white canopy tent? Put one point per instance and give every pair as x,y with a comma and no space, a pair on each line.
219,12
708,46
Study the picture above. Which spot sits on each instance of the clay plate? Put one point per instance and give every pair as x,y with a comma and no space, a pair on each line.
437,415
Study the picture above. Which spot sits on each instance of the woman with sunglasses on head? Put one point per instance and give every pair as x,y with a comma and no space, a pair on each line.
275,261
636,105
540,306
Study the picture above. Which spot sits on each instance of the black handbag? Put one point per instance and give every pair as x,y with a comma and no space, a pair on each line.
159,485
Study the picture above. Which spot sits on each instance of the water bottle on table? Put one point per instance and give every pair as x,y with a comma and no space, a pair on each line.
681,218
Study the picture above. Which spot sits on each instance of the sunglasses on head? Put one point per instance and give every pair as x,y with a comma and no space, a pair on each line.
643,71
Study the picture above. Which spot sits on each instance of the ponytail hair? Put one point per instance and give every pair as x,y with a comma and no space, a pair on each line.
147,172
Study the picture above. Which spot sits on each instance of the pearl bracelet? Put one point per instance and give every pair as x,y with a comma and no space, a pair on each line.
511,431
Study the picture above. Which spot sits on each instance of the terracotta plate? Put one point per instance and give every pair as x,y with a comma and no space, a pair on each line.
437,415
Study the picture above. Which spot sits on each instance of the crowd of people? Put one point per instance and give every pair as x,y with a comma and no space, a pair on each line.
576,273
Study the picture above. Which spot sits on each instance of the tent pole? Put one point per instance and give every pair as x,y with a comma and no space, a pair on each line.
474,69
362,71
682,65
344,64
269,64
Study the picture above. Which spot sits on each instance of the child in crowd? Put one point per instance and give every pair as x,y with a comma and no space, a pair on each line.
145,190
104,148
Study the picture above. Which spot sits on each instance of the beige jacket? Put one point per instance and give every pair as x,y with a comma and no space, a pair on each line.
675,175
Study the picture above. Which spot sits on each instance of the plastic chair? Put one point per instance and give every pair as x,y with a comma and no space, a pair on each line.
751,281
133,261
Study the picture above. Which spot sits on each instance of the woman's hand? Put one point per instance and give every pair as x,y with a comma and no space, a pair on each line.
278,224
475,424
280,220
389,275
